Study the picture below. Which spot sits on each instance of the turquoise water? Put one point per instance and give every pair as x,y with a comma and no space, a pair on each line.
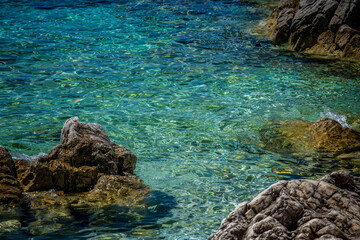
186,85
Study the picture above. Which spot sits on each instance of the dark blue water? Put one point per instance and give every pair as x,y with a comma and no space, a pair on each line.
186,85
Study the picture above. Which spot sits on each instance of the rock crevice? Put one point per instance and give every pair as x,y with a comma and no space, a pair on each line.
328,208
328,27
75,165
86,165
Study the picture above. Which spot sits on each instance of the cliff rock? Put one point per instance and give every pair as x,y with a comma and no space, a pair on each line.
10,190
329,27
328,208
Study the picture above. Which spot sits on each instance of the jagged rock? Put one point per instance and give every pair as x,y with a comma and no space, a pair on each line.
328,208
330,27
10,190
86,173
74,165
325,135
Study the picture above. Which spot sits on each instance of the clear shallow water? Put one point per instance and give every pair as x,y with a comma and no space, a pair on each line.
186,85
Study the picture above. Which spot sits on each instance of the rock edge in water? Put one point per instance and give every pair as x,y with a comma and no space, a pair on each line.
75,165
328,208
326,27
86,162
323,136
10,189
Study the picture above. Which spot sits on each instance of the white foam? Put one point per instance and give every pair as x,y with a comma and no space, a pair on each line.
339,118
27,157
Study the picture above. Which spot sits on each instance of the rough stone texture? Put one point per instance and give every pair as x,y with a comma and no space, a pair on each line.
328,208
74,165
86,174
127,190
325,135
329,27
110,189
331,136
10,190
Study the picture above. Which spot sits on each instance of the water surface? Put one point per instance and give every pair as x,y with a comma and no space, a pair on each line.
186,85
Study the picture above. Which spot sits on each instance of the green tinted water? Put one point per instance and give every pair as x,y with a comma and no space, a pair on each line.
186,85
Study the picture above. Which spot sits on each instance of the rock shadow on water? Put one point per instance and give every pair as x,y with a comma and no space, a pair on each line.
86,185
56,222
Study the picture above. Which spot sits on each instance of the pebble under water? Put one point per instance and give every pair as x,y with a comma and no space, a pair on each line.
186,85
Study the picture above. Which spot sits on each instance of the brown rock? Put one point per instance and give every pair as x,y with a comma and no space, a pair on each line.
328,208
124,190
344,35
74,165
347,13
310,26
289,137
331,136
284,21
303,38
310,13
10,190
352,49
324,135
86,172
326,44
115,189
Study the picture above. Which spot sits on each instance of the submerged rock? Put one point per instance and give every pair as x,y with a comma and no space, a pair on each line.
75,165
86,177
10,189
289,137
112,189
328,208
127,190
323,136
330,27
331,136
9,226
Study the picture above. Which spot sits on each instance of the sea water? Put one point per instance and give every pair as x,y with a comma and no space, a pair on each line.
186,85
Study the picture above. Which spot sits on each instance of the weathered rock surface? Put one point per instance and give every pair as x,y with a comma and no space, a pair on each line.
325,135
330,27
328,208
87,168
85,174
112,189
127,190
75,165
331,136
10,190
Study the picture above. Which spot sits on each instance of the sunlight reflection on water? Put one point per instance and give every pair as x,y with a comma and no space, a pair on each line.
186,85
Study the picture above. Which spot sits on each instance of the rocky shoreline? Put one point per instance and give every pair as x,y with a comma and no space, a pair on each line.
86,170
328,208
325,27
